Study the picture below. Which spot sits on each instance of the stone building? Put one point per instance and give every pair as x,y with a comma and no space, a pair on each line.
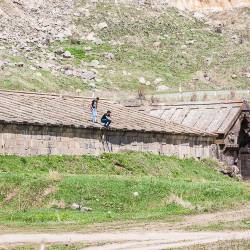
50,124
229,120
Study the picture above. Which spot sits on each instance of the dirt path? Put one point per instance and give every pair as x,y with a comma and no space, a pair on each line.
176,223
146,236
146,240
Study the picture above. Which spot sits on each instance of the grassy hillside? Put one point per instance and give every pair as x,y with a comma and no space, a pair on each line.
40,191
164,47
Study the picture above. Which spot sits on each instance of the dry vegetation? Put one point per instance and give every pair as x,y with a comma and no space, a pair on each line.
128,47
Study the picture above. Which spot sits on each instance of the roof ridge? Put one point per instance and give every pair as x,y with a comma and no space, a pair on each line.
45,108
198,103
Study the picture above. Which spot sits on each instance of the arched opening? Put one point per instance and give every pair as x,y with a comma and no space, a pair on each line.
244,148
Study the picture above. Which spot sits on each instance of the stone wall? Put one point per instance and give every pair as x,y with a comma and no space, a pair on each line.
40,140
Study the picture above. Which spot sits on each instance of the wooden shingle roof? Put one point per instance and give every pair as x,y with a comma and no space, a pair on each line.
212,117
74,111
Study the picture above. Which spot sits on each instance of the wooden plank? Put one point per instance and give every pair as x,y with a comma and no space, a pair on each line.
192,117
231,118
220,115
168,113
206,119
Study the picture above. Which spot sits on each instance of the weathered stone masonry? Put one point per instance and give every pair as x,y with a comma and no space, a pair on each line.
26,140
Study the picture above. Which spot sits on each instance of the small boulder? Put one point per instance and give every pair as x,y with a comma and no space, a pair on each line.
67,54
109,55
98,41
19,64
199,16
158,80
190,42
75,206
88,75
247,74
142,80
162,88
86,209
102,25
94,63
157,44
135,194
87,49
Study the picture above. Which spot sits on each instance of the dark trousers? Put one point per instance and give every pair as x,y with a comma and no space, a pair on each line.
106,122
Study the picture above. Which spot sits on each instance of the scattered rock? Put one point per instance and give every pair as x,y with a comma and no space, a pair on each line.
19,64
94,63
231,171
234,76
190,42
247,74
157,44
98,41
126,73
109,55
209,60
75,206
88,75
43,65
207,77
162,88
3,64
199,16
90,36
142,80
59,51
67,67
135,194
158,80
218,29
86,209
87,49
67,54
102,25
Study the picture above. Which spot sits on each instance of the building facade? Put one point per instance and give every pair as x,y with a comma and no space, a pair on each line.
229,120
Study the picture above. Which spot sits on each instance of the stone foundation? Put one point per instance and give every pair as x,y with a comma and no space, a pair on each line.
27,140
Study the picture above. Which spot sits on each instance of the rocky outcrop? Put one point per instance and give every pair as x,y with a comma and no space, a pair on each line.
35,21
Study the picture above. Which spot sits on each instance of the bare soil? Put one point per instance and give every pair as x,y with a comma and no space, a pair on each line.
147,236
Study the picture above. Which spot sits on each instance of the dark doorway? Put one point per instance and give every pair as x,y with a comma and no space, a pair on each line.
245,162
244,149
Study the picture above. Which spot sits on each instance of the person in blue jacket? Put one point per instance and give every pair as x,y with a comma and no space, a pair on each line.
106,119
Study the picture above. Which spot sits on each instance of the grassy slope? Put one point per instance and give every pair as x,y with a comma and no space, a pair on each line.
36,190
138,29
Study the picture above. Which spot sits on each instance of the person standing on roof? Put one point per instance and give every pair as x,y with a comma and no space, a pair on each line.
106,119
94,109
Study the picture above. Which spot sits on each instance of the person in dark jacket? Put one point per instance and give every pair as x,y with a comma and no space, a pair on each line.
106,119
94,104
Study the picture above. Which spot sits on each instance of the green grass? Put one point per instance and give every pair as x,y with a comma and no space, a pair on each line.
49,247
223,226
38,191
